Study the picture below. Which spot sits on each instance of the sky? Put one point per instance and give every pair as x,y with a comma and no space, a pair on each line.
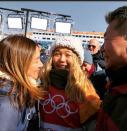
87,15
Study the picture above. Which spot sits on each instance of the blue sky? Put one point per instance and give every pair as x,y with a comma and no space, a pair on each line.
87,15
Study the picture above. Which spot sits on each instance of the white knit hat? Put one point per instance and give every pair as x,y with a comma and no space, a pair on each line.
73,43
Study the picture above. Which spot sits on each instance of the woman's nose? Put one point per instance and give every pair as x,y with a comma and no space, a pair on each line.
62,57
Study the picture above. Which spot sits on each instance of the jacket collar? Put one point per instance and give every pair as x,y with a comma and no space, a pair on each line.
33,81
117,77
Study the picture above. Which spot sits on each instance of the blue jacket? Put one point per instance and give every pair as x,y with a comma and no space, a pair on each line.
11,118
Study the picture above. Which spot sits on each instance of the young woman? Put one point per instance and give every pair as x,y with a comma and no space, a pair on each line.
71,98
98,78
88,65
19,70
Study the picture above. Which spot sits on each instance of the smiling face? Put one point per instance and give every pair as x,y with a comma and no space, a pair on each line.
35,64
62,58
93,46
86,66
114,48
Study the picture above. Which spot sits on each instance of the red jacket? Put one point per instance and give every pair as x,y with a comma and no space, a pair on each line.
59,113
113,113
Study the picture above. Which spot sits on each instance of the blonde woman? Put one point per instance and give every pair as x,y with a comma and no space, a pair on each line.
19,70
71,98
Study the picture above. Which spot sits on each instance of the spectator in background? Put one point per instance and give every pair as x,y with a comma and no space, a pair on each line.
71,98
43,56
19,71
94,47
88,65
98,60
113,113
97,78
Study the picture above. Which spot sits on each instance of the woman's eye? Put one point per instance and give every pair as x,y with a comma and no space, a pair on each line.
68,55
56,53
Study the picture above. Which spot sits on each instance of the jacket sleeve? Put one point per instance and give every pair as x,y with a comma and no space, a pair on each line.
101,63
8,115
119,113
90,106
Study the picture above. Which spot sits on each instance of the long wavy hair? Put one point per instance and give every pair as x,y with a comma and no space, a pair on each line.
16,52
78,85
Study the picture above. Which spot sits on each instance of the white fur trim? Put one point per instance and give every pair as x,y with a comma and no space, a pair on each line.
33,81
4,75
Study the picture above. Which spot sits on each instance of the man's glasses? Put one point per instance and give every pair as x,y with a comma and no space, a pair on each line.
93,46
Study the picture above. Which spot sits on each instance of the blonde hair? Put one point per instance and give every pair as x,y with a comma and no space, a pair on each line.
78,85
16,53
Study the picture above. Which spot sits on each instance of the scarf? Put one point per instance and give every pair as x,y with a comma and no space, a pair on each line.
58,78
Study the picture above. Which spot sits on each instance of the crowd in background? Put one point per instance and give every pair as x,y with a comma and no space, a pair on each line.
71,89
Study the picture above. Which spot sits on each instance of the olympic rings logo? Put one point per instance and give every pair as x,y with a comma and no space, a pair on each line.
62,108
